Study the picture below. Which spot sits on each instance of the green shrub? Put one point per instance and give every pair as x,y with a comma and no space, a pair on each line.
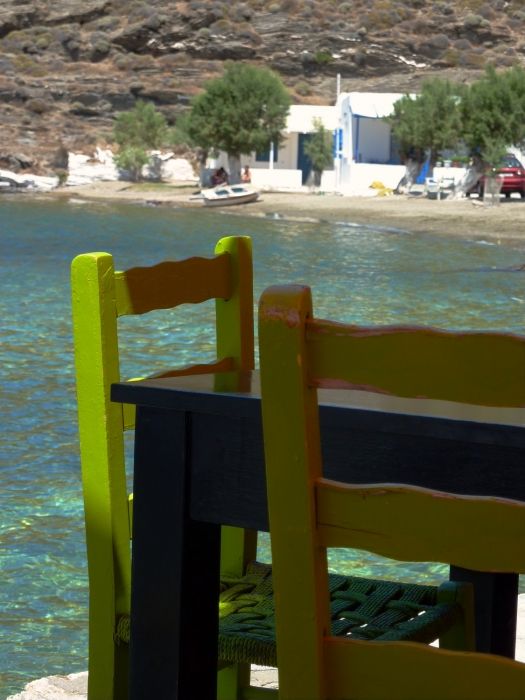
222,25
473,59
472,5
289,5
302,88
62,177
132,159
123,62
319,149
25,64
103,24
473,21
100,48
42,43
451,57
241,13
323,57
142,127
38,105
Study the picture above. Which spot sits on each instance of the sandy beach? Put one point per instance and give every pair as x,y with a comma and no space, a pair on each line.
464,217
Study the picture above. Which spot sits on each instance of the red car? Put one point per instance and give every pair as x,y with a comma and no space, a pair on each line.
512,173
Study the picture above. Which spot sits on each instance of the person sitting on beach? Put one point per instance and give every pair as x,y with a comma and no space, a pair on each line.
246,175
219,177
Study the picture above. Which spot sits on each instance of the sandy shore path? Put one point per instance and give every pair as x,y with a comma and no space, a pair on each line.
467,217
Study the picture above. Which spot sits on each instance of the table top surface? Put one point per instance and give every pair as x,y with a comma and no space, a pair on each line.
231,388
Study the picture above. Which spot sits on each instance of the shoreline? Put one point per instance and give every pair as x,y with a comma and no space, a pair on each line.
414,213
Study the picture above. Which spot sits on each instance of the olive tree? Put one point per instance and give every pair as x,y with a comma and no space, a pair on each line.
319,150
426,123
137,132
493,110
485,118
493,118
243,111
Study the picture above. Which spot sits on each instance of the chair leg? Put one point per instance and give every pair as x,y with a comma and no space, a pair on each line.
108,677
232,680
238,548
462,635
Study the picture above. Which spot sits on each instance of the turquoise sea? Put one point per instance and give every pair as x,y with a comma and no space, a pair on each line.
358,274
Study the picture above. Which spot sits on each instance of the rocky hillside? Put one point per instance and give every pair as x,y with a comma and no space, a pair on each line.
68,66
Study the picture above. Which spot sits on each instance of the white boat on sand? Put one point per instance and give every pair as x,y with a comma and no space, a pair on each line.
225,195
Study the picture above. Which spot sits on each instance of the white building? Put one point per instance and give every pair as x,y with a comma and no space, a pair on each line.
285,165
288,166
365,151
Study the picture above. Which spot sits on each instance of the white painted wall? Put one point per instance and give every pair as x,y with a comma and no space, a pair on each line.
362,175
327,181
278,178
286,156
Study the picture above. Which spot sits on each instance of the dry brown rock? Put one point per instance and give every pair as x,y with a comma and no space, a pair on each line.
67,68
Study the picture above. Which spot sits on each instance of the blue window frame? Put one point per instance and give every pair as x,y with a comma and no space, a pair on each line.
264,156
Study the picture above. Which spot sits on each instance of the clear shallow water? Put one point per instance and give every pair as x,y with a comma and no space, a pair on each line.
357,274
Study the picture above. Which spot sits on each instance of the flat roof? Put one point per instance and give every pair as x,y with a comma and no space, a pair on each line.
371,104
301,118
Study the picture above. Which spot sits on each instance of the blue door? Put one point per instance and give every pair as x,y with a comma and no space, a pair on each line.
304,164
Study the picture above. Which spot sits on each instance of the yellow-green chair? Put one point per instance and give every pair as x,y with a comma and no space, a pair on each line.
308,513
100,295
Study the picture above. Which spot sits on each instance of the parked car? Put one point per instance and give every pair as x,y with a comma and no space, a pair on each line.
512,173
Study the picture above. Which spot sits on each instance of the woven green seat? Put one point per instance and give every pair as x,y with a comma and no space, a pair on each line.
362,608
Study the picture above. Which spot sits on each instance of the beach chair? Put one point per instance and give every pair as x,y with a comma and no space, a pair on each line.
99,296
308,513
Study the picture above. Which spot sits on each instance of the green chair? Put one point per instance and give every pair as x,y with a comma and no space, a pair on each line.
99,297
308,512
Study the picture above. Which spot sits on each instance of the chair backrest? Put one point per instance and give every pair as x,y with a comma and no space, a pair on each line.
309,513
99,296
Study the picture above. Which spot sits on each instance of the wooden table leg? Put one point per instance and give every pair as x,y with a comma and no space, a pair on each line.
496,605
175,569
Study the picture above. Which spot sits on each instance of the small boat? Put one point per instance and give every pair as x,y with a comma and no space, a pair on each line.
225,195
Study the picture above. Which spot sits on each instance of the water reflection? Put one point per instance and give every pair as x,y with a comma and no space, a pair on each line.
358,274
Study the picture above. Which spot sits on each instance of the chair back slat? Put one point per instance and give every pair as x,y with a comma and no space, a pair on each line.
171,283
365,670
380,518
414,362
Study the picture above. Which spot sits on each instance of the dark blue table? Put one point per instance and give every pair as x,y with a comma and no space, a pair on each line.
199,464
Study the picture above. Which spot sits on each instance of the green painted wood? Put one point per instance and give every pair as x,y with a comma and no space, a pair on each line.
103,471
171,283
235,310
419,362
380,518
99,296
356,670
308,513
292,454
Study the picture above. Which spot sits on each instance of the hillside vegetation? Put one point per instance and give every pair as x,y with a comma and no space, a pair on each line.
67,67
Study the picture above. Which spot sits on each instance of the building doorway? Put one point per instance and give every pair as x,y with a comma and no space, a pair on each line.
304,164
